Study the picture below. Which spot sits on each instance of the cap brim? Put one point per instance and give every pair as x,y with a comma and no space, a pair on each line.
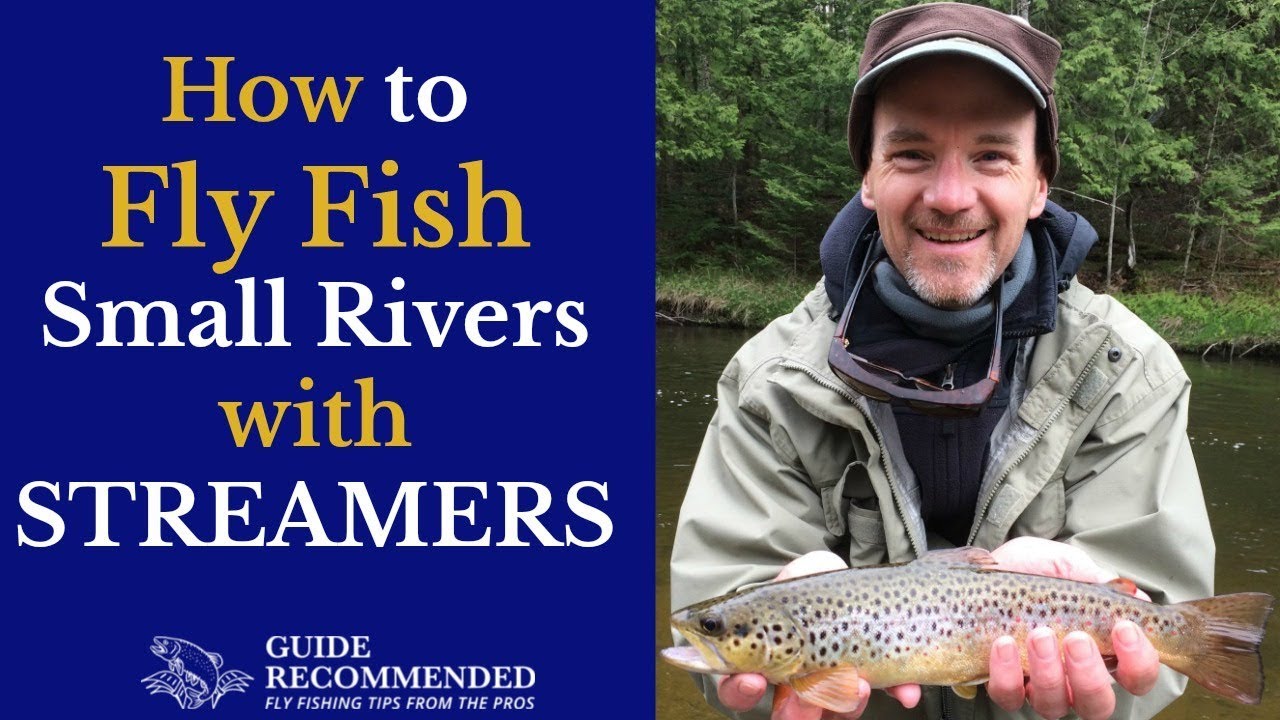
949,46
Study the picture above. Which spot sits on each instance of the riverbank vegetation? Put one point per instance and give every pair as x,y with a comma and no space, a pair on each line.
1241,322
1170,140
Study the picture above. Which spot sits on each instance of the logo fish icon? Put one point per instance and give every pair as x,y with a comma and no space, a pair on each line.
194,676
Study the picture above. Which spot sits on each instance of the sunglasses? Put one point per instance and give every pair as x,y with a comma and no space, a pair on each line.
886,384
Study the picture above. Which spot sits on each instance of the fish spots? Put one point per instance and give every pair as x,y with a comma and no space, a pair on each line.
777,627
777,640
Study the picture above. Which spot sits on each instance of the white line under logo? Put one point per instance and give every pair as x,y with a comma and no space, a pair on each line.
194,676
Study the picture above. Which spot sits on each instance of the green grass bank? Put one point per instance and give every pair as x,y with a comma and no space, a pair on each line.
1231,324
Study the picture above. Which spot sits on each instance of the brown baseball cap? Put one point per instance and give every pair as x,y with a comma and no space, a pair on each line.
1005,41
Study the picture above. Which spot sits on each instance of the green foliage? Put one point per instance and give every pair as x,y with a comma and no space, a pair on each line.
1195,322
713,296
1172,107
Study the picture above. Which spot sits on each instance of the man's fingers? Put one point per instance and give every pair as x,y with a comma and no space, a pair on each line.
1091,694
1048,686
1138,662
1006,687
810,563
741,692
908,695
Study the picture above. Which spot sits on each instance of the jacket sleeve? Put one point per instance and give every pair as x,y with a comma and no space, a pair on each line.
749,509
1133,501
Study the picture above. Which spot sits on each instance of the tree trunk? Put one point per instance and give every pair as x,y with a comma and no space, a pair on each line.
1191,241
1195,212
1218,255
733,192
1111,234
1024,10
1132,260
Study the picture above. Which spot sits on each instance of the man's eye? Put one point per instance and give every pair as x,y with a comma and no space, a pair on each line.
908,155
991,156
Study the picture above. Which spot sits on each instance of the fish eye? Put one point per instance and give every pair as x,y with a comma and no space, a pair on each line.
711,625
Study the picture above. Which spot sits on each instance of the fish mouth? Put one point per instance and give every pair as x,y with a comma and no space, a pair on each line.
159,646
688,658
697,656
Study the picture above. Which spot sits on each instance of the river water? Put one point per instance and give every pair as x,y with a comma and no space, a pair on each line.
1235,414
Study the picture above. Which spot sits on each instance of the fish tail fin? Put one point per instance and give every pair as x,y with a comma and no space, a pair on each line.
1229,661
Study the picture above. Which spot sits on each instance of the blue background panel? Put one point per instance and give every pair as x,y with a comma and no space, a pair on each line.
560,111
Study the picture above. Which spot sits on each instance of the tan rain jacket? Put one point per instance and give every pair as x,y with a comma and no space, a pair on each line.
1093,452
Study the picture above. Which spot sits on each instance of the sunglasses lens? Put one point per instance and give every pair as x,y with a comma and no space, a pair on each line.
862,388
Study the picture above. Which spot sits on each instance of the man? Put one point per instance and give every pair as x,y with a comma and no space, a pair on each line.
974,392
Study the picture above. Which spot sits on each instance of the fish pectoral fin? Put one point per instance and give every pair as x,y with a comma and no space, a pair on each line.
968,692
834,689
967,555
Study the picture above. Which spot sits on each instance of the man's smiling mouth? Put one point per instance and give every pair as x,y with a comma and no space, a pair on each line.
951,237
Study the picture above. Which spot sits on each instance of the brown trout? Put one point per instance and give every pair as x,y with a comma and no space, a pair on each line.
933,621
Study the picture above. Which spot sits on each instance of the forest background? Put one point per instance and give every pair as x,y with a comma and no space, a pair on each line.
1170,141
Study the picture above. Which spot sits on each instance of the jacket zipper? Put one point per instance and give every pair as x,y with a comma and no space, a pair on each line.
946,703
1044,428
916,544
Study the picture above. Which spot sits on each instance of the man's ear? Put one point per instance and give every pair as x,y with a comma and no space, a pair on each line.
869,195
1041,196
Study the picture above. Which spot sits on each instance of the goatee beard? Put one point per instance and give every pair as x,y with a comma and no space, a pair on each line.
932,286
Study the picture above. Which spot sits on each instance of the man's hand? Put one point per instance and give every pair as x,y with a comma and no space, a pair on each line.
741,692
1072,677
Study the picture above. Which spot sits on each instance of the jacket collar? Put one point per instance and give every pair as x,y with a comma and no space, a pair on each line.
1062,240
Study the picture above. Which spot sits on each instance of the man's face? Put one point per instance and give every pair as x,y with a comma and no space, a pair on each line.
953,176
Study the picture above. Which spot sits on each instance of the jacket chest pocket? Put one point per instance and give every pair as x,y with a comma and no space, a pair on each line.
1021,508
852,513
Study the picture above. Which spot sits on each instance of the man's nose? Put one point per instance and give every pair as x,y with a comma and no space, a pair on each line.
952,190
